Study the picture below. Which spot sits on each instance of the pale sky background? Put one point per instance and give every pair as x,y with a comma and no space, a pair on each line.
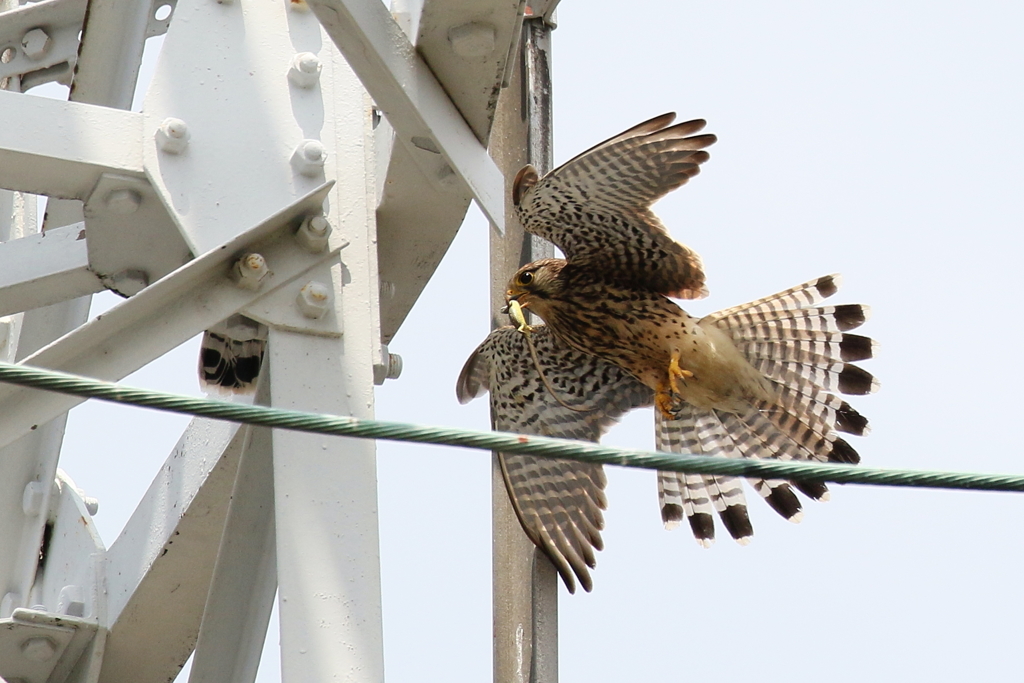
880,140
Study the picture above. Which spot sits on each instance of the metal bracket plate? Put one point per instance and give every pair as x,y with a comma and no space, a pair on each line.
38,646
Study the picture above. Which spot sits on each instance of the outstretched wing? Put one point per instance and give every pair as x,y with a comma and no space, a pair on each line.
559,502
597,207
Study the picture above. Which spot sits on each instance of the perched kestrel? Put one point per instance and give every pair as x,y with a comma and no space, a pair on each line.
756,380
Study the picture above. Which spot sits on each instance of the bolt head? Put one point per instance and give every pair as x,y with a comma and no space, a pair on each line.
314,300
39,649
390,366
250,271
92,505
32,499
124,201
309,157
9,603
305,69
313,234
394,366
35,43
70,601
172,136
475,39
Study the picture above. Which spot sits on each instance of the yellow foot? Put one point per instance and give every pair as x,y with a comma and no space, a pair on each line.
676,373
663,401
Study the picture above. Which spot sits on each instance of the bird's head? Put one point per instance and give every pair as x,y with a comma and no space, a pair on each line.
535,285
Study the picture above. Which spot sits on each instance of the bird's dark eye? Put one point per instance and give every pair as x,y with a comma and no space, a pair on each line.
526,278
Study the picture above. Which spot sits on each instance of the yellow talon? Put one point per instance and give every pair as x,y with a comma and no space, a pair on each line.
663,402
515,310
675,372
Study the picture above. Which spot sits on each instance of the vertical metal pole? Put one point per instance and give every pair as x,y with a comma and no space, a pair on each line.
525,582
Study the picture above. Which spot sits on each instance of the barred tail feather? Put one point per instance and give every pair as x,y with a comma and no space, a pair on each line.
694,496
813,350
829,409
844,378
806,352
794,298
228,365
820,320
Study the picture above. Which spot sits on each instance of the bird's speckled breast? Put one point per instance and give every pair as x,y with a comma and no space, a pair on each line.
640,331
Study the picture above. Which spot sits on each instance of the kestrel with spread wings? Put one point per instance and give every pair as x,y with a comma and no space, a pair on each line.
757,380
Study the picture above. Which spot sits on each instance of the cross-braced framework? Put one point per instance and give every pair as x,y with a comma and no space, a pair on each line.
263,120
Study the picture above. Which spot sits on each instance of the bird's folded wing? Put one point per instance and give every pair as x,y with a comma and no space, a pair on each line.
559,502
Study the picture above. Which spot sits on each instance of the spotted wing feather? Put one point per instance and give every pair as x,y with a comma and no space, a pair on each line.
559,502
597,207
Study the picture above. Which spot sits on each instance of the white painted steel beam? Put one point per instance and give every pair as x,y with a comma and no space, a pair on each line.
223,71
30,463
91,140
159,569
113,35
32,460
325,488
415,226
48,54
424,117
71,588
466,46
164,315
245,579
40,270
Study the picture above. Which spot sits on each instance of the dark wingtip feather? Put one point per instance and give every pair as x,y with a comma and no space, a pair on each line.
854,347
561,566
827,286
703,527
585,579
857,381
850,421
843,452
683,128
784,501
701,141
737,522
697,158
850,316
812,489
696,124
656,123
671,514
